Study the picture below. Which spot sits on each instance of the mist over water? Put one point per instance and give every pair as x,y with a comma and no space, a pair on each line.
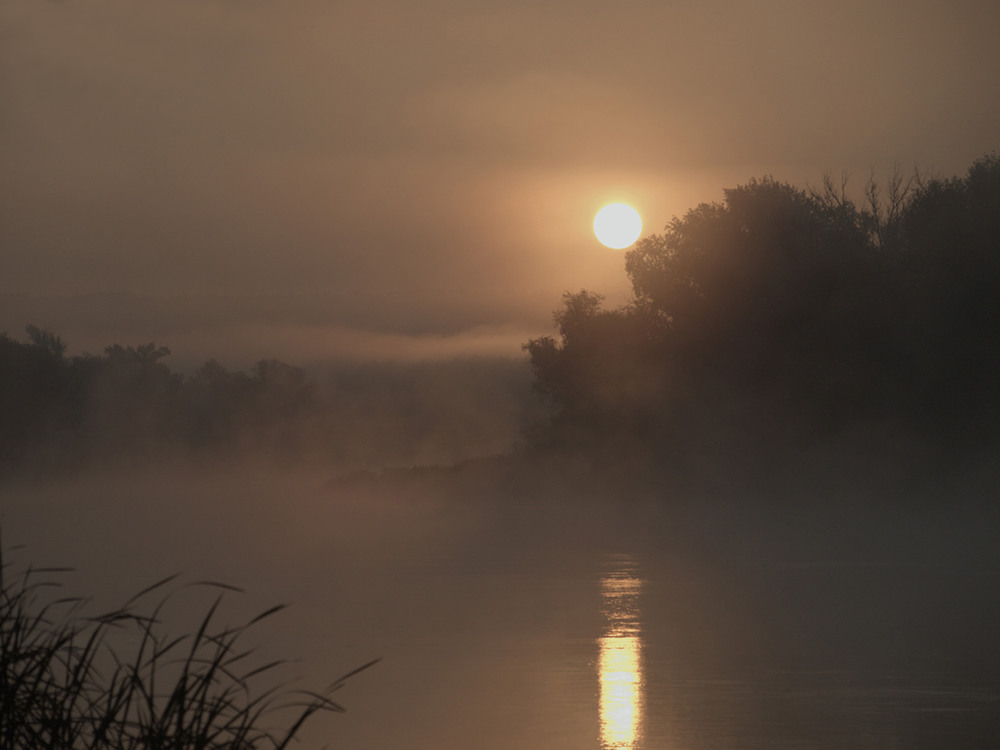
568,616
304,298
756,509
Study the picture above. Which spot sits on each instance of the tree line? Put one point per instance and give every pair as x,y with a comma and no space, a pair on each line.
128,405
775,319
784,317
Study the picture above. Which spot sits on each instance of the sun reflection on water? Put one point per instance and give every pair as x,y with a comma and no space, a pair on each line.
619,662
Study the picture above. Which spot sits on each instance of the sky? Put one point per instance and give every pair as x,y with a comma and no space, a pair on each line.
313,179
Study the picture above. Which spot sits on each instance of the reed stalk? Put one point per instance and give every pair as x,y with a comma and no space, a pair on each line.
68,683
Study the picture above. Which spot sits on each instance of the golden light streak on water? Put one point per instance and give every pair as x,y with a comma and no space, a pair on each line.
621,691
620,657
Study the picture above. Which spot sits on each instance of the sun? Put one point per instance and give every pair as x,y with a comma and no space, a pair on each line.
617,225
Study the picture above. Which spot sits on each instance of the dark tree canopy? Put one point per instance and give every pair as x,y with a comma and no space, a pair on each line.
783,315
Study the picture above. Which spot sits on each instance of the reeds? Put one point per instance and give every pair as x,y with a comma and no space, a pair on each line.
67,682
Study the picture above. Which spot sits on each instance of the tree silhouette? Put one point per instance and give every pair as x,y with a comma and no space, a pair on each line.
128,405
604,370
781,314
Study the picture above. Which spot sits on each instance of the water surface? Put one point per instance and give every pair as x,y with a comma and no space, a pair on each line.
561,625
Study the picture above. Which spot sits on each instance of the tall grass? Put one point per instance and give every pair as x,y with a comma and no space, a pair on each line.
116,680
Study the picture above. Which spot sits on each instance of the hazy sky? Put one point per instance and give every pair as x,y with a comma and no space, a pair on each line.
308,178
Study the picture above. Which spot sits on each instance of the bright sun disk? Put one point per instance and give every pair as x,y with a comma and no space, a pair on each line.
617,225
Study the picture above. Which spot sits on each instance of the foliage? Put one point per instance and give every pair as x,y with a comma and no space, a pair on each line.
67,682
128,405
127,408
781,315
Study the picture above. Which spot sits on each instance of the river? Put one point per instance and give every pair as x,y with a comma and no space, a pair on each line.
627,624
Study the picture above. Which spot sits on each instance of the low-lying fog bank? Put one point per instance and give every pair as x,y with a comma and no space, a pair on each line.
244,523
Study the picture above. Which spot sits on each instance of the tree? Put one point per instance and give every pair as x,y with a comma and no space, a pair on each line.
35,396
604,372
764,269
951,235
781,315
47,341
133,401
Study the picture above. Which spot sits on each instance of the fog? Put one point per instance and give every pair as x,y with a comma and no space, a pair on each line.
132,407
277,285
780,452
800,616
